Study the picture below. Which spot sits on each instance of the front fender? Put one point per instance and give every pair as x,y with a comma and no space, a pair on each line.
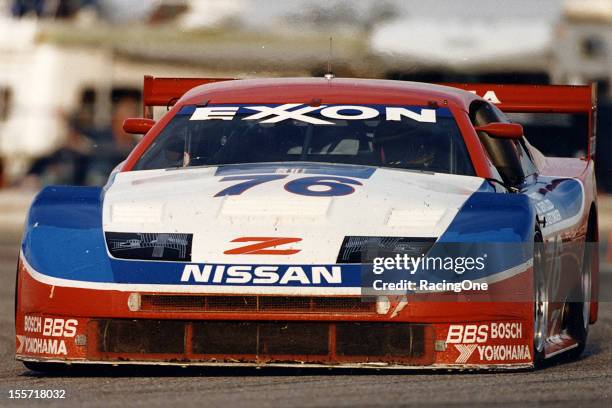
63,234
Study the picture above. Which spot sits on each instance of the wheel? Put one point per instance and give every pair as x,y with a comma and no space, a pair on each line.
540,306
578,316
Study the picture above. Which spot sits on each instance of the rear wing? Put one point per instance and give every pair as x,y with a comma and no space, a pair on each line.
570,99
166,91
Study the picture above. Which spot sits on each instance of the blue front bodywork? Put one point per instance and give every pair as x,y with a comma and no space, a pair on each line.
64,238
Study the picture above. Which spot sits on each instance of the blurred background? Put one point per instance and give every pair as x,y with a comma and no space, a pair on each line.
72,70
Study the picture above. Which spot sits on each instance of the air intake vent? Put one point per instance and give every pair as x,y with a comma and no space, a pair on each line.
260,304
267,338
262,341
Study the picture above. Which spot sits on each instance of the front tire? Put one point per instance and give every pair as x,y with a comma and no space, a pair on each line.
579,312
540,305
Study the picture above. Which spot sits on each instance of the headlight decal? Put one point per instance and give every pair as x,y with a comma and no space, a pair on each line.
363,249
150,246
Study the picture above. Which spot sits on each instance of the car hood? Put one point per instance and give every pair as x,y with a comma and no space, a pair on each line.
316,205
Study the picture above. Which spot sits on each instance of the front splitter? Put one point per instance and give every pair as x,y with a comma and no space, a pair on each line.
370,366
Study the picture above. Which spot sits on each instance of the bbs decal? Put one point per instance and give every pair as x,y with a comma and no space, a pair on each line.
318,115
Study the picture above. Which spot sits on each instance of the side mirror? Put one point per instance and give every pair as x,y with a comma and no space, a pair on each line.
502,130
137,126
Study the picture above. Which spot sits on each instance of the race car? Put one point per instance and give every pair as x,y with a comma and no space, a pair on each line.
291,222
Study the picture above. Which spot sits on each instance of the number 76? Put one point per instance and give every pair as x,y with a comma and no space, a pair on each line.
307,186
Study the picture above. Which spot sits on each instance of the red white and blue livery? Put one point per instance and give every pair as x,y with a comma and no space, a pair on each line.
244,229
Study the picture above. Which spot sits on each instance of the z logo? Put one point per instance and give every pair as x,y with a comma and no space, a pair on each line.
264,246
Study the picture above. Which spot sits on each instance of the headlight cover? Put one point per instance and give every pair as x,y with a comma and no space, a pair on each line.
363,249
149,246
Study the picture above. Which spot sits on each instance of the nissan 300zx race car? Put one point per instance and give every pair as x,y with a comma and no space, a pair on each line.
240,231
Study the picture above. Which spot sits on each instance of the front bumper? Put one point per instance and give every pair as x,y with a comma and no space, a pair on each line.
85,326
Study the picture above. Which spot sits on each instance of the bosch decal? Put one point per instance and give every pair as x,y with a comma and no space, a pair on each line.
47,335
474,333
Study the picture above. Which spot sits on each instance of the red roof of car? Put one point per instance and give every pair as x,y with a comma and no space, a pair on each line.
322,90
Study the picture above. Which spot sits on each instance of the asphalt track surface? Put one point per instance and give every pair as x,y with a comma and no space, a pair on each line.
583,383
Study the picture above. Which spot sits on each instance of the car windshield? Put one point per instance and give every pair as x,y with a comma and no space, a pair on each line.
406,137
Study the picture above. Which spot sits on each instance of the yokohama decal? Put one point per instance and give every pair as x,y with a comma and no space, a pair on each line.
502,352
37,345
490,342
465,352
264,246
